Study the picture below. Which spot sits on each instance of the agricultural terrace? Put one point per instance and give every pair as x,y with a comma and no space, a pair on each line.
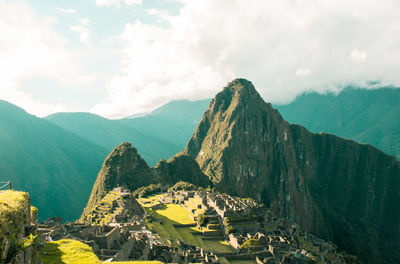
172,222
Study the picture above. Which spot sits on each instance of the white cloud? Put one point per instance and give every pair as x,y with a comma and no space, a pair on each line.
108,3
85,21
302,72
132,2
358,56
157,12
70,11
84,34
210,42
29,48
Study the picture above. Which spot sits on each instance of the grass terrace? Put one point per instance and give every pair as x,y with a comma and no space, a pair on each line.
12,202
70,251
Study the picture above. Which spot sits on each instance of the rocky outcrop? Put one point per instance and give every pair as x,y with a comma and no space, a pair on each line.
337,189
18,244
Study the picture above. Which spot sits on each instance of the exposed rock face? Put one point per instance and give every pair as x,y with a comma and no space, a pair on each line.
124,167
335,188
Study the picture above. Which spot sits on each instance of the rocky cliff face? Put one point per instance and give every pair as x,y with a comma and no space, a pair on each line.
335,188
124,167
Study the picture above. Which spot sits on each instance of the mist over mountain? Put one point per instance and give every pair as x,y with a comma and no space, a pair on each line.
55,166
366,116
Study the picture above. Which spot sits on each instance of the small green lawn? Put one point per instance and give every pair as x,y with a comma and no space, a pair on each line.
174,213
67,251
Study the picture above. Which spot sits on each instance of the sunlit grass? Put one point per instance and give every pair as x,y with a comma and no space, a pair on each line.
175,213
12,201
70,251
13,212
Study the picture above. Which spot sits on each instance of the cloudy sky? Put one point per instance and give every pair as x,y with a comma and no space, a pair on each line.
120,57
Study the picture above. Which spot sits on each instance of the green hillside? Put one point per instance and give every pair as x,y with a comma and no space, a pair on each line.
367,116
55,166
158,135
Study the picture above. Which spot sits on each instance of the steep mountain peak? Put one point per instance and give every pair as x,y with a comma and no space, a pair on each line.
332,187
240,86
123,167
237,93
237,119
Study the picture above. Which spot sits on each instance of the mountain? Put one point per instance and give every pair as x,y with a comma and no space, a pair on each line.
50,163
124,167
335,188
158,135
366,116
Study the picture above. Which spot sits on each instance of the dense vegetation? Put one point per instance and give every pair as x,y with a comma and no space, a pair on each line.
181,185
147,190
367,116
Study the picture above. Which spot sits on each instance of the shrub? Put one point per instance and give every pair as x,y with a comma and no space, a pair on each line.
200,219
181,185
147,190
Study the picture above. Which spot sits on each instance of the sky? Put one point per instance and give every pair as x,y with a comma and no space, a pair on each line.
116,58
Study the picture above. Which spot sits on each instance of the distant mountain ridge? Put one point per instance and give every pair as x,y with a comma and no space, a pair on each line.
366,116
159,134
55,166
